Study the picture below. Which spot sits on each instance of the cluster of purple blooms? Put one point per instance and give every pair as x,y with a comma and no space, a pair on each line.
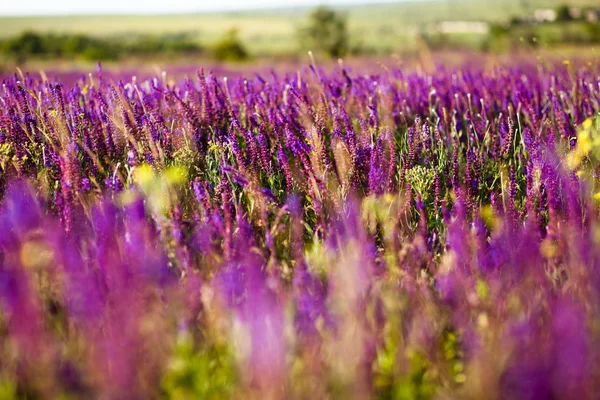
318,234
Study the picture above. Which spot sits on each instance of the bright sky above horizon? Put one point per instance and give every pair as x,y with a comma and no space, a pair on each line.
61,7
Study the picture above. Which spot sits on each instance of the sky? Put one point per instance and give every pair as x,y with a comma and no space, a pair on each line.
60,7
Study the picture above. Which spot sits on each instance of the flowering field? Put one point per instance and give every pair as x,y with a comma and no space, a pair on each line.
320,234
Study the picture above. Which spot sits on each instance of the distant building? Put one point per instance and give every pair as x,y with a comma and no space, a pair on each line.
575,12
592,15
585,14
545,15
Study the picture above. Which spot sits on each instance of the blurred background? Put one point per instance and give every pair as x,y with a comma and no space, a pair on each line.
69,32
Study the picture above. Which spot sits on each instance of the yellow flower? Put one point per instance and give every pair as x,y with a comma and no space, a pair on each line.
144,176
158,187
584,142
175,175
574,159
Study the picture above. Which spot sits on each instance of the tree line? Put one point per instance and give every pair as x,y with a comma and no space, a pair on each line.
324,32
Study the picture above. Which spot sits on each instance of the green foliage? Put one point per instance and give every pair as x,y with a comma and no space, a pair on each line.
28,43
6,155
421,179
100,51
76,44
153,44
499,30
204,374
325,33
563,14
32,44
230,48
418,383
36,45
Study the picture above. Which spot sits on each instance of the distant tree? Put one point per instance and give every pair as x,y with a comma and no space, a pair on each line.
24,45
75,44
563,14
147,44
230,47
515,21
325,32
182,43
101,51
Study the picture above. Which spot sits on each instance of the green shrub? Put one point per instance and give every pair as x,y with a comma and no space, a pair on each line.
563,14
230,48
325,32
100,51
24,45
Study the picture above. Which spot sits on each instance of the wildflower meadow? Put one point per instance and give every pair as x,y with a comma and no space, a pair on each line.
327,233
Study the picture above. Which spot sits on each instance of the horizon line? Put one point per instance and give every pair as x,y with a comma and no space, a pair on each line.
225,11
